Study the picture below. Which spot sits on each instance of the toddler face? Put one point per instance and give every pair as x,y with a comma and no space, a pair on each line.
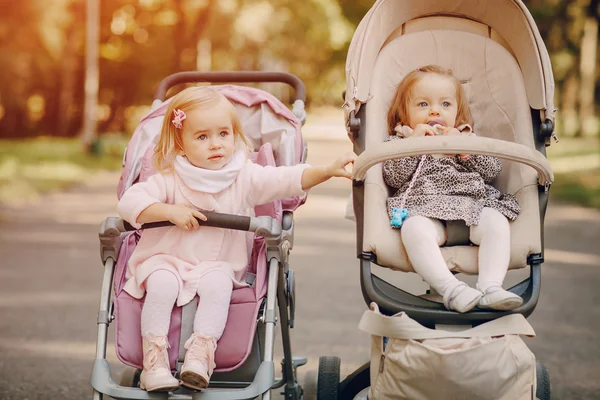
433,99
208,137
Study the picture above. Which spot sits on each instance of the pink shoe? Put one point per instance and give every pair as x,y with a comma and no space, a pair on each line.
199,362
156,375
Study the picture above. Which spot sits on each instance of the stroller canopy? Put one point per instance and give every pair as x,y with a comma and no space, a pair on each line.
507,21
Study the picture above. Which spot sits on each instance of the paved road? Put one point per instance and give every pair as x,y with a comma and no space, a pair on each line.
50,278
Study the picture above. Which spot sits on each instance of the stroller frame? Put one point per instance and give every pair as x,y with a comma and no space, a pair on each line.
258,371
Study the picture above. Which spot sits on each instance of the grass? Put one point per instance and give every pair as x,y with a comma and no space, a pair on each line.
570,147
31,167
581,188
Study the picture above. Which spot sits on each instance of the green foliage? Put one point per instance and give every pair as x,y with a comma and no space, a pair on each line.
33,166
42,51
48,150
580,188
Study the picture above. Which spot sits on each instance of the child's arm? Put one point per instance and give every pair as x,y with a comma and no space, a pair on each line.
180,215
398,171
488,167
313,176
274,183
146,202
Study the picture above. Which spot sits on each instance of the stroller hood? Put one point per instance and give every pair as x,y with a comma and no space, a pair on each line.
507,21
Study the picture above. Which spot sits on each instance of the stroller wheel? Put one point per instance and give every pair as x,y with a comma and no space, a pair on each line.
130,377
543,382
328,380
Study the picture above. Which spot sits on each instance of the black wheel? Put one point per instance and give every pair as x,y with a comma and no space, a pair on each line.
130,377
328,379
543,382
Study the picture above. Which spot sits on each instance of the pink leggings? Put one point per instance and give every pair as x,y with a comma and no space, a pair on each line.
162,289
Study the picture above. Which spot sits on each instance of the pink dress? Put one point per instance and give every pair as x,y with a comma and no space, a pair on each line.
192,254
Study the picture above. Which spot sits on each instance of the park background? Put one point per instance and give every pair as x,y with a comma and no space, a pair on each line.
48,141
62,142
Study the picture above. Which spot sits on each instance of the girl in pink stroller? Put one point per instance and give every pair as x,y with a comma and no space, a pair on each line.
202,164
229,248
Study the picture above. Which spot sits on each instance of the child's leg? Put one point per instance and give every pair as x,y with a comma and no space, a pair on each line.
422,238
215,295
162,289
493,237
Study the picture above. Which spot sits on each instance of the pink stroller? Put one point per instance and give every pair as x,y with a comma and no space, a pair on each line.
244,358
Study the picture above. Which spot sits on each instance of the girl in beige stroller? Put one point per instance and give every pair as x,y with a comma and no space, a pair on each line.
496,52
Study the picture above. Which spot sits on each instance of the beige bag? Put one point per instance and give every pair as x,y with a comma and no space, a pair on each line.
488,362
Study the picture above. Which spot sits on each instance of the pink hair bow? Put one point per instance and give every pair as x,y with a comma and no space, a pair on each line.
179,116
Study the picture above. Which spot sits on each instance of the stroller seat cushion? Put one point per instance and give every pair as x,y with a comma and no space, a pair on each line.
495,89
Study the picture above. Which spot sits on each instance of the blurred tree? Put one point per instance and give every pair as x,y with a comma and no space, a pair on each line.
27,69
570,31
89,138
142,41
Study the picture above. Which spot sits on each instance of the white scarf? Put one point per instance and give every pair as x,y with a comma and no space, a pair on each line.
208,180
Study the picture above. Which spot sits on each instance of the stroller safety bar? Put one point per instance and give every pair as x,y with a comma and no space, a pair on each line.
112,228
453,145
263,226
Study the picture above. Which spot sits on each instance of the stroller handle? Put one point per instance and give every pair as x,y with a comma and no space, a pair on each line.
213,219
230,77
263,226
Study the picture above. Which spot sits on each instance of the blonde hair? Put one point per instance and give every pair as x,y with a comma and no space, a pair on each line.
398,113
170,142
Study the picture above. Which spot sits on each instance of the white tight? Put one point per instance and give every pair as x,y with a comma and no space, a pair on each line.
422,237
162,289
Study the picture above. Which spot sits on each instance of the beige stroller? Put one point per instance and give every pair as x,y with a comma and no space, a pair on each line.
495,49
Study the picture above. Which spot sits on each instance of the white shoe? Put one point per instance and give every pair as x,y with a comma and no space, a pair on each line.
156,375
497,298
461,298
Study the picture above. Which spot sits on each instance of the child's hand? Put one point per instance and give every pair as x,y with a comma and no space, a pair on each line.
450,131
455,132
185,217
338,167
423,130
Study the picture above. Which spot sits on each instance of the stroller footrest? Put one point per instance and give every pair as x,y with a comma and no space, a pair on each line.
102,382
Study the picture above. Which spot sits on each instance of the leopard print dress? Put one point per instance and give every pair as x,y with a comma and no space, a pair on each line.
447,188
